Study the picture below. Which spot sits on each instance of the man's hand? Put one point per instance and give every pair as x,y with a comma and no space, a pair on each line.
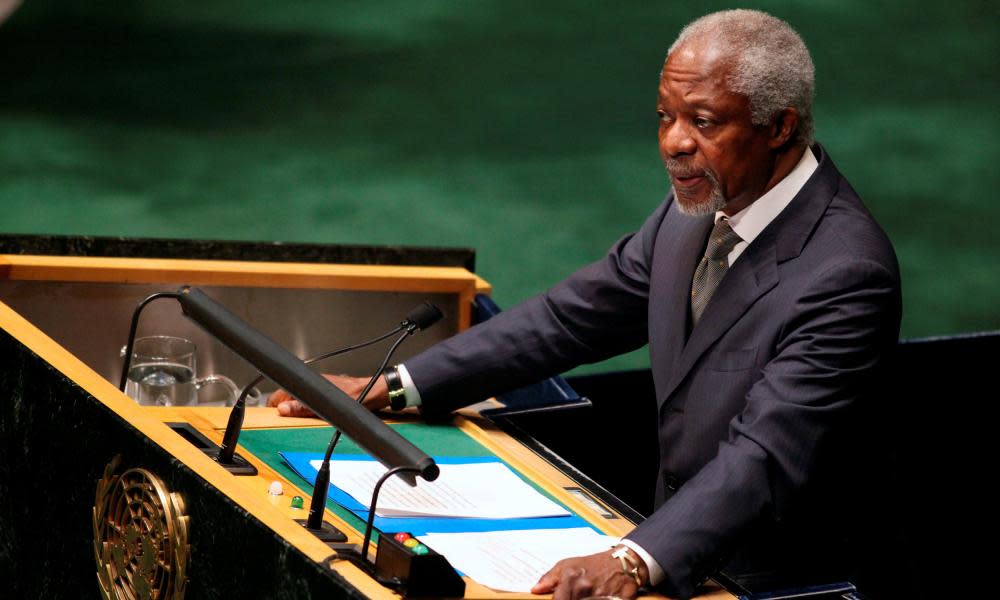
378,397
595,575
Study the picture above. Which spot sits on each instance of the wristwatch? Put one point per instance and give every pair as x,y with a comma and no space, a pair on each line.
397,395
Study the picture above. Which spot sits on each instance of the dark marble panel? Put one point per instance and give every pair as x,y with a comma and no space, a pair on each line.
58,245
55,440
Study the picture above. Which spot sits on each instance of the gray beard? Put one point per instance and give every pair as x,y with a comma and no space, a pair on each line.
714,203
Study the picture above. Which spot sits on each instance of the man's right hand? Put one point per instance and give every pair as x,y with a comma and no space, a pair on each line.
378,397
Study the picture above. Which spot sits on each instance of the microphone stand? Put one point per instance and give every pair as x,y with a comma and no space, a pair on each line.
237,465
421,317
226,454
262,352
317,504
130,343
236,416
409,573
359,556
398,454
329,402
371,509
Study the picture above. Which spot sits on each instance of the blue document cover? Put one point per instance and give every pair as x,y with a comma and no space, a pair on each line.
299,462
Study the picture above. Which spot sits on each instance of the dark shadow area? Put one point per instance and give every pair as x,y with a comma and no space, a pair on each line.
923,514
53,245
614,442
930,515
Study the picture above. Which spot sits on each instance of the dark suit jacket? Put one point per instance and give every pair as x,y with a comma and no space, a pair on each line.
755,403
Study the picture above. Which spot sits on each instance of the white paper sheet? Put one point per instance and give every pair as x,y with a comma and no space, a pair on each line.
513,561
487,490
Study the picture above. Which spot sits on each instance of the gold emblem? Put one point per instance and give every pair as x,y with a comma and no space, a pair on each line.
140,537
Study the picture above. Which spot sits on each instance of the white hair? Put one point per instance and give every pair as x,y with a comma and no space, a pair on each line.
771,65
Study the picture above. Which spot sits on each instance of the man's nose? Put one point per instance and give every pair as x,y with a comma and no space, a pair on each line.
676,139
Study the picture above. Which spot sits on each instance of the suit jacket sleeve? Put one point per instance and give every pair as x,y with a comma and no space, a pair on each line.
598,312
838,332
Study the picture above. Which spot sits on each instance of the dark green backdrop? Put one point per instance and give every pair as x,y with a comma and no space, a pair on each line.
523,129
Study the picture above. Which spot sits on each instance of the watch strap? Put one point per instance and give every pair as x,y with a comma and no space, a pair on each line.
397,394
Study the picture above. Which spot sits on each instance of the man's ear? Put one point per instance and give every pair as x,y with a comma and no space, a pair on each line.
784,127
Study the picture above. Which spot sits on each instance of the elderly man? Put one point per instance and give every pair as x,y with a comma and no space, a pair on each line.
768,296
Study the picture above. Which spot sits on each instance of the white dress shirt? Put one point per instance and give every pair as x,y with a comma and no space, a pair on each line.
749,222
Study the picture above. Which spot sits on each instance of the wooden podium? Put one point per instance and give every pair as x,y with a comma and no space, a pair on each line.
76,449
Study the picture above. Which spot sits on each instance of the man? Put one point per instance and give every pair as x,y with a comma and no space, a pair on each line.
768,297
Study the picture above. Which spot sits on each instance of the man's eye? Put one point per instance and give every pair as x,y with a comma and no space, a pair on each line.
702,123
662,115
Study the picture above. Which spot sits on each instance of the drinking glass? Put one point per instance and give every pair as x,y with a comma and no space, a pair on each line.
163,372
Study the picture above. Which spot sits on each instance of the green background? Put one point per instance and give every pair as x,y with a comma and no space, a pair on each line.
523,129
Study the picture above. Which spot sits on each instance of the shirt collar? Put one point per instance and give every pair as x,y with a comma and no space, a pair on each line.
749,222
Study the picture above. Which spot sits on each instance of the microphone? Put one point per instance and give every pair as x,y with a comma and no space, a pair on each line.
420,317
324,398
423,316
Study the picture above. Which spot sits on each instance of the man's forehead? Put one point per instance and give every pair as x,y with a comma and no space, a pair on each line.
697,64
703,55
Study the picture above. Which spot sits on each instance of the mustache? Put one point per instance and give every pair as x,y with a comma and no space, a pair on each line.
679,169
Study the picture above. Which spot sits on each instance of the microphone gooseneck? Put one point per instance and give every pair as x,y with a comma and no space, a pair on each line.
288,371
235,424
419,319
133,327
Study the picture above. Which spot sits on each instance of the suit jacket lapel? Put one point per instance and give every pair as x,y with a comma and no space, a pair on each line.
755,272
751,276
686,251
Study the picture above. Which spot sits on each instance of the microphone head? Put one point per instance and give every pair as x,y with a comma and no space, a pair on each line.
424,316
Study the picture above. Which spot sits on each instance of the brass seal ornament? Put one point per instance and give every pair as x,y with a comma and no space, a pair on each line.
140,537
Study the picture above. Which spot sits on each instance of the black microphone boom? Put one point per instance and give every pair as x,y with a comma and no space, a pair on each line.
227,450
324,398
423,316
419,318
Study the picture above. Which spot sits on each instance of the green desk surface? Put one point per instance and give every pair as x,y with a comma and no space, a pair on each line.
435,440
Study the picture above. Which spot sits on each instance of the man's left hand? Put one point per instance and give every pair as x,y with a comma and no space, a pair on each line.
595,575
378,397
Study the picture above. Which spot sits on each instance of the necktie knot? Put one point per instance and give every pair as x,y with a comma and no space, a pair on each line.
722,240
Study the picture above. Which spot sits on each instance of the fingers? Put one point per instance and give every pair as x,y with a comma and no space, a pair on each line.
294,408
546,583
566,581
288,406
581,577
573,584
278,397
377,399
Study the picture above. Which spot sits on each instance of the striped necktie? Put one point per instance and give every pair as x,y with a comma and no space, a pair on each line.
713,266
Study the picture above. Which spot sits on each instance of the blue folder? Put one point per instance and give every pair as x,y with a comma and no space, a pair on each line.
299,462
